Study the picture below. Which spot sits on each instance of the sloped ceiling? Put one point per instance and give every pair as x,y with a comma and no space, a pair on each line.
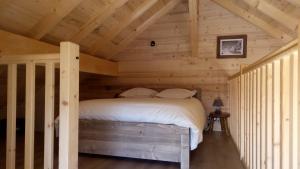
105,27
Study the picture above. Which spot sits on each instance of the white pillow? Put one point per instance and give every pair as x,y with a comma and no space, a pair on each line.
139,93
176,93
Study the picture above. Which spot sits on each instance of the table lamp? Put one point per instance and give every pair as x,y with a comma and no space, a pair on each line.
218,103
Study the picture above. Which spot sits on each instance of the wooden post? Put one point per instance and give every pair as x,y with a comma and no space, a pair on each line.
11,116
185,151
29,113
49,115
69,101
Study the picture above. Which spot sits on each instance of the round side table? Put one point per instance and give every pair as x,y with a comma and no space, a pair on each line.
223,116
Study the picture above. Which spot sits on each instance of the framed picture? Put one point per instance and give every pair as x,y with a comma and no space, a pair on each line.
232,46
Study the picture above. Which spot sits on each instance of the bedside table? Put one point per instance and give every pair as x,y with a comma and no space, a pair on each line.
223,119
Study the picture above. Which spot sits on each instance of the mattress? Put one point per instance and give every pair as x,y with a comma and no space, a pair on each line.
187,113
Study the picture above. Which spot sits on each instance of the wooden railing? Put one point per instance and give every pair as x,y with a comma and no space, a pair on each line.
68,60
264,104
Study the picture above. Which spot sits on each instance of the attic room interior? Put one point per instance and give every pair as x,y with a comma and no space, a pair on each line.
149,84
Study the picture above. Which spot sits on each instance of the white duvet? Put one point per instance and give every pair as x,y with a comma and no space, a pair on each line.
181,112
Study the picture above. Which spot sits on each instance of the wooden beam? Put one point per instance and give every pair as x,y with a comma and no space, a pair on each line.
146,24
275,13
48,22
12,44
68,107
29,116
11,116
140,10
265,26
194,30
97,20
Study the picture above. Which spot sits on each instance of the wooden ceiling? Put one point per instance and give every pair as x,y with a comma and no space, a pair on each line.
104,28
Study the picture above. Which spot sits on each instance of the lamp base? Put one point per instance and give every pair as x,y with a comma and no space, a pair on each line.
218,111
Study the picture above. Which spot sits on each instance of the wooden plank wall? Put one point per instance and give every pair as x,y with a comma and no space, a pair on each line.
263,104
170,64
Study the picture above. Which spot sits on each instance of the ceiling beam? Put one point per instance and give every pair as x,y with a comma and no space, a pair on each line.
146,24
194,30
275,13
126,21
97,20
13,44
48,22
265,26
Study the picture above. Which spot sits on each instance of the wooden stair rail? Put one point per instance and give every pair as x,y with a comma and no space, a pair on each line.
265,111
68,58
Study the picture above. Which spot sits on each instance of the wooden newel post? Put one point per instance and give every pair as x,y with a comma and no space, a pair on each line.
69,100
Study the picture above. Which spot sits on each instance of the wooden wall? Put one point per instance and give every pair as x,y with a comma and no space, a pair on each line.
169,63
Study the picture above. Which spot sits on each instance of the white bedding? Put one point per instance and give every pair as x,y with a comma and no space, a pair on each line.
181,112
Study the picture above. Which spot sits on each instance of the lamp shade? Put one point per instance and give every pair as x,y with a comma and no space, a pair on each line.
218,102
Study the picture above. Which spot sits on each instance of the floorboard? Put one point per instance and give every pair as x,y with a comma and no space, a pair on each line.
217,151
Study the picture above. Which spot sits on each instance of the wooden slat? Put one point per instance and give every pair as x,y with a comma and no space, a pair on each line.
269,117
248,121
97,20
268,28
242,110
69,102
254,111
49,116
258,119
251,112
48,22
194,28
11,116
286,102
248,162
276,115
296,114
263,120
29,116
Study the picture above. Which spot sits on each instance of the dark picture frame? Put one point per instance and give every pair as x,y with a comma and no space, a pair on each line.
233,46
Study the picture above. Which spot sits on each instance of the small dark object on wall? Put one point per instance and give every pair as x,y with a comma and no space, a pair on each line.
234,46
152,43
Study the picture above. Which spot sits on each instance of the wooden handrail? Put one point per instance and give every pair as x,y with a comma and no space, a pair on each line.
268,58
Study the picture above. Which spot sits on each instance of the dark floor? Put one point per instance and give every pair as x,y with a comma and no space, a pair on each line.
216,152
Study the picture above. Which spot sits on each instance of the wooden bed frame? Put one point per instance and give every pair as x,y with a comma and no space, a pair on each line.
135,140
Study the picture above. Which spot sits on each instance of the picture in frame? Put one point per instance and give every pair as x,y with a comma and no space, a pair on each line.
234,46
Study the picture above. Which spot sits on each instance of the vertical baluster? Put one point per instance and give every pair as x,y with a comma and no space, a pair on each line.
11,116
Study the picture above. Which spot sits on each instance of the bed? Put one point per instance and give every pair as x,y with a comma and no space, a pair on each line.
145,128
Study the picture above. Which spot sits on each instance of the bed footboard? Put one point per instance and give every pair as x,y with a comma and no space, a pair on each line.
135,140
